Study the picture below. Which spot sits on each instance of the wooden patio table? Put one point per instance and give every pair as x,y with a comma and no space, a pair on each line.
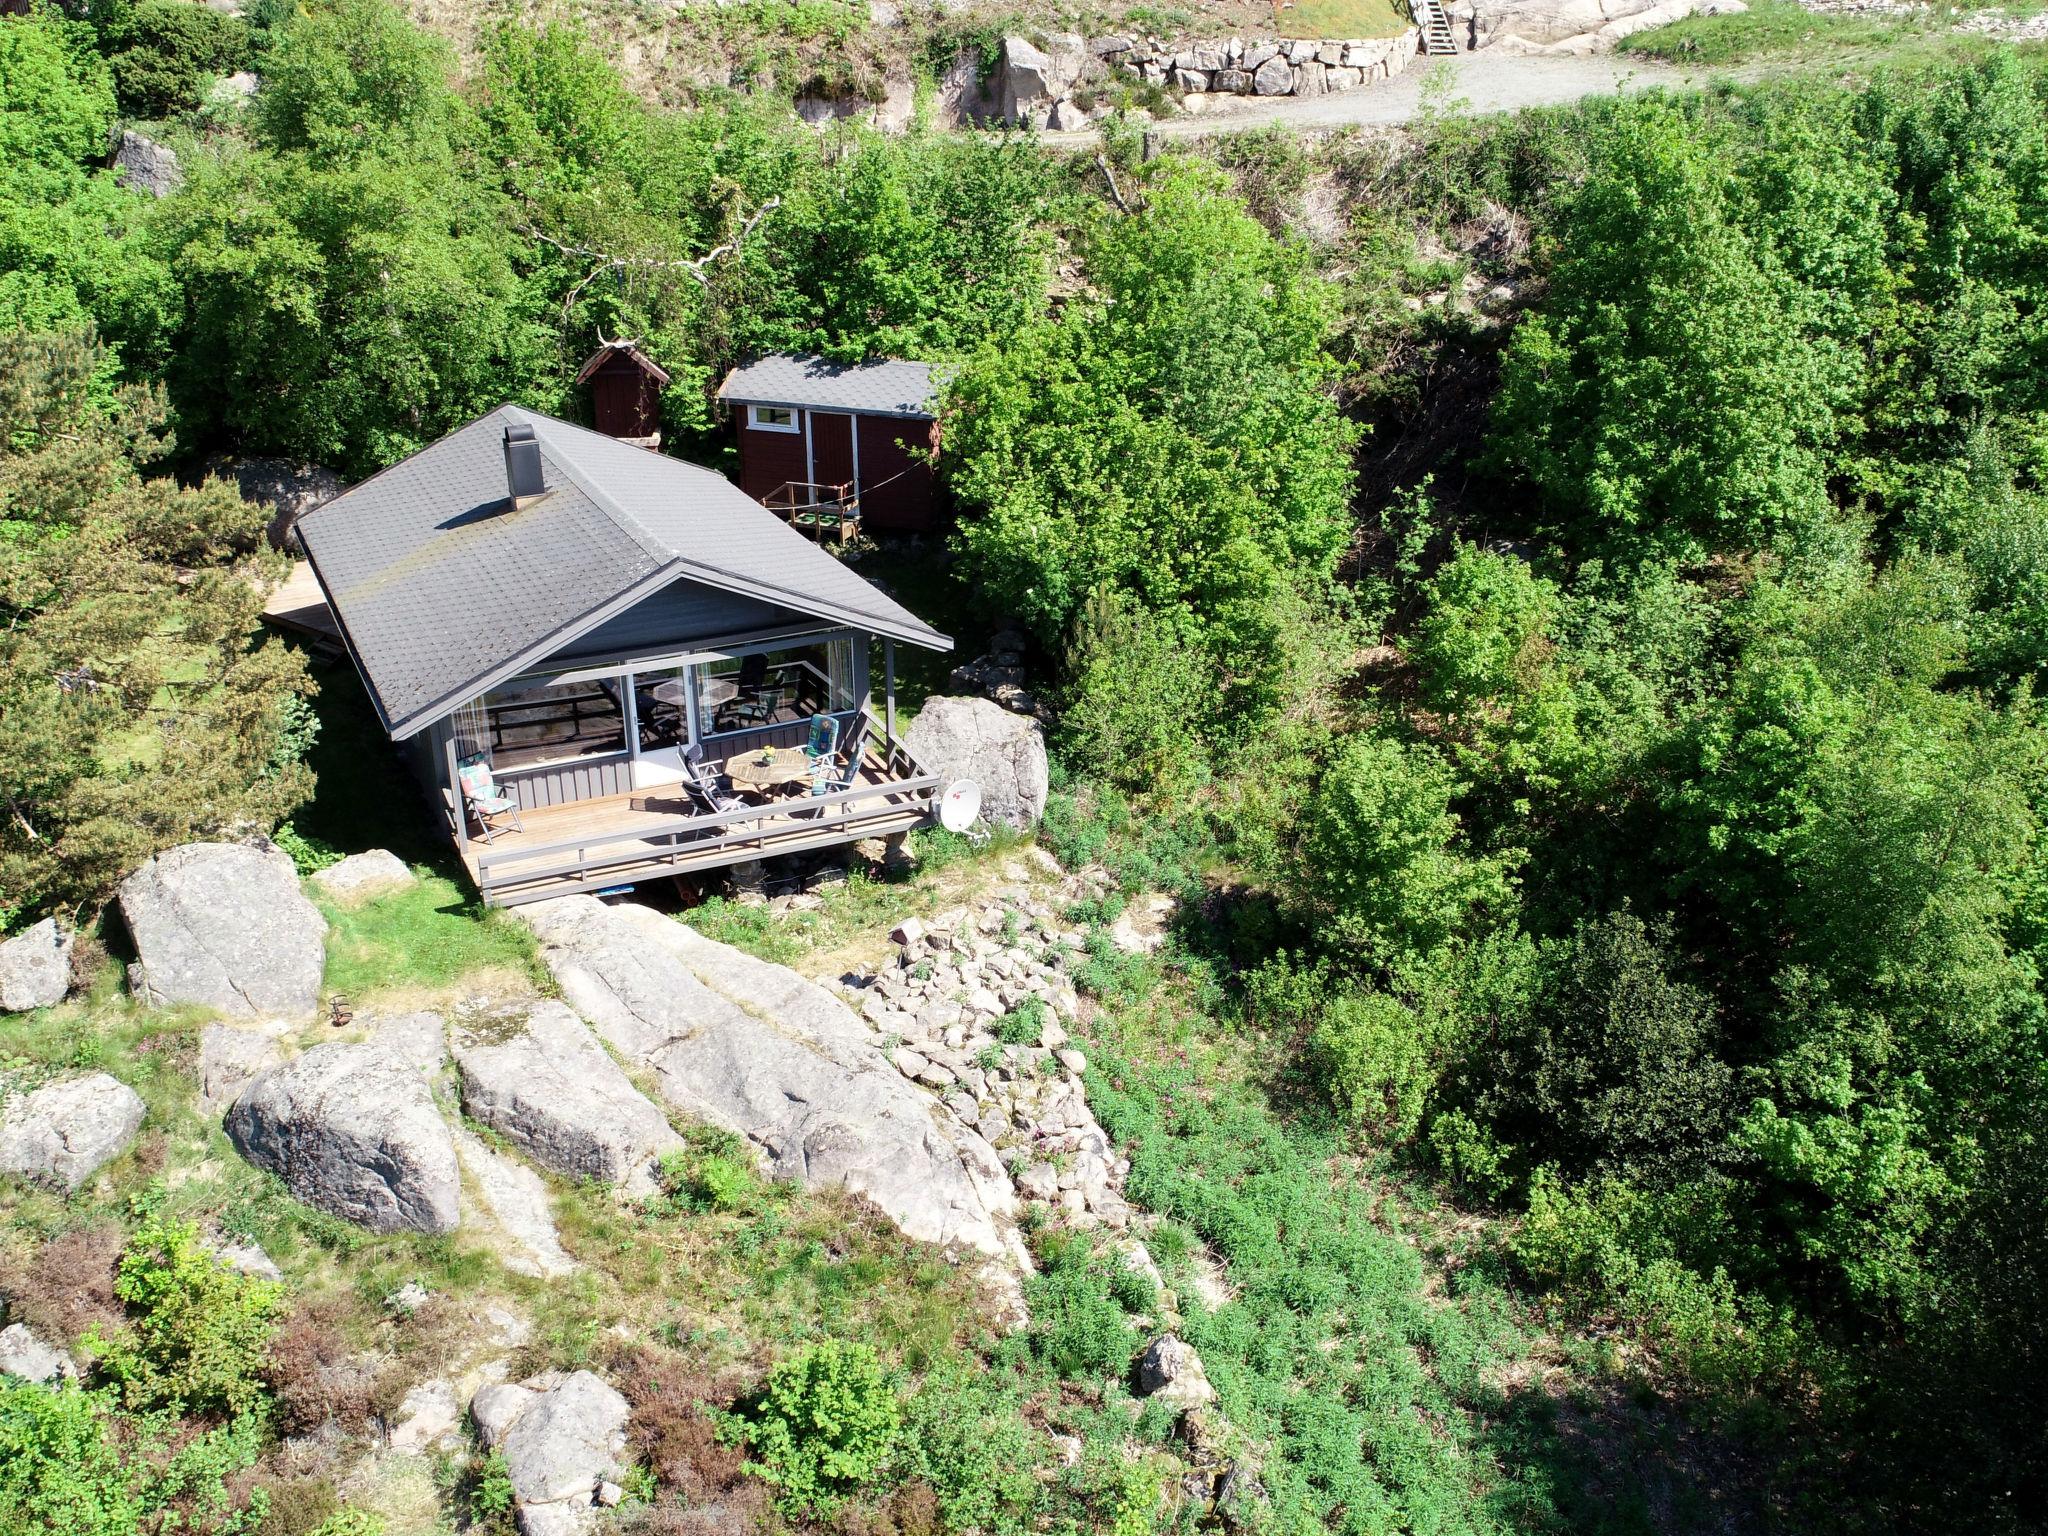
785,765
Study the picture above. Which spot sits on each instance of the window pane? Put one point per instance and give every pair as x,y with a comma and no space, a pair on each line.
662,706
774,687
555,722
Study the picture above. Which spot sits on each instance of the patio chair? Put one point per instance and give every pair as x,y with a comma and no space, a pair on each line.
485,798
705,783
843,769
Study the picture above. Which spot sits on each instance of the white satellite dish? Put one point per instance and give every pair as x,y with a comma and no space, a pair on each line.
960,806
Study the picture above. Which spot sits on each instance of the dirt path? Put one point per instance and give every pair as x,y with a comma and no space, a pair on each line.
1479,83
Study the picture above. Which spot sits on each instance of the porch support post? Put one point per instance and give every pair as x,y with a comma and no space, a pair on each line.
691,722
456,807
889,692
630,708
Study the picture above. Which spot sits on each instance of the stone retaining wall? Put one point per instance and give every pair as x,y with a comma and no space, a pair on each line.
1061,85
1268,67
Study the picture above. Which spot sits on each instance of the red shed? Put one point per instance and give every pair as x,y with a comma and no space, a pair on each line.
625,392
816,433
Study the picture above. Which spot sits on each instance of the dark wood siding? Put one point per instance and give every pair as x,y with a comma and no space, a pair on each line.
768,460
561,783
670,620
625,399
896,490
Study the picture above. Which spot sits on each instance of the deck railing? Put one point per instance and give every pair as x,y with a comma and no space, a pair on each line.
712,839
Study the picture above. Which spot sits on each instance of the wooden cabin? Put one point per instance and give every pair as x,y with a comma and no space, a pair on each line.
592,655
625,393
839,437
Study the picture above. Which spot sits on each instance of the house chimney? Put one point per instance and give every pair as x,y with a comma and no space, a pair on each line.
523,479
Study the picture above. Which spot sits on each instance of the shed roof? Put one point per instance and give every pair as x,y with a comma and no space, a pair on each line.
443,589
891,388
615,351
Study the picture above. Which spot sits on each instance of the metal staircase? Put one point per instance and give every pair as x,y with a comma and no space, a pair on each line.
1437,37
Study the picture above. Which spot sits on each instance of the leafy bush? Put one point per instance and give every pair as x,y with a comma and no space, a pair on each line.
308,854
164,53
700,1179
490,1494
824,1427
1385,853
963,1434
1374,1053
71,1466
1141,698
198,1334
354,1522
1023,1024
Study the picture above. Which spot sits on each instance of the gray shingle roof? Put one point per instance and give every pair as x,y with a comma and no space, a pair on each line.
443,590
873,389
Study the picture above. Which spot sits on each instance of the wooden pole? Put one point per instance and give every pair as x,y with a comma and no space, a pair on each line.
455,789
889,692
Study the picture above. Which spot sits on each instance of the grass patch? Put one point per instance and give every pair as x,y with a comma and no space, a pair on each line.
1769,29
1340,18
429,936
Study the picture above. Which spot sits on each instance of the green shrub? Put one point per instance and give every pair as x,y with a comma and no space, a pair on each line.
353,1522
1078,1328
1374,1054
309,855
490,1494
964,1435
165,53
69,1466
1023,1024
198,1334
824,1427
1141,699
693,1179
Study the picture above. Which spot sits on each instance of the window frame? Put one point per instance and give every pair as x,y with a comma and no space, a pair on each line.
790,428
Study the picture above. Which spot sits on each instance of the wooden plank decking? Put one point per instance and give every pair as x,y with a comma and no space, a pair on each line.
603,842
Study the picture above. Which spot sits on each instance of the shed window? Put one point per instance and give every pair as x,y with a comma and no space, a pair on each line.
772,418
535,723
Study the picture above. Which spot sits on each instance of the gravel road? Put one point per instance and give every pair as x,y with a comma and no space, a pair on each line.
1480,82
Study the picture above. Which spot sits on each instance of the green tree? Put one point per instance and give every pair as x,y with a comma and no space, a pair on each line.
141,708
1385,856
1173,437
1673,393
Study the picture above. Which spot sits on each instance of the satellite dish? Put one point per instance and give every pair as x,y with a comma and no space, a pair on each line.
960,806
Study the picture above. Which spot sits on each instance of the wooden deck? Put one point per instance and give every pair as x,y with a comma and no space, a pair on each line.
299,608
595,844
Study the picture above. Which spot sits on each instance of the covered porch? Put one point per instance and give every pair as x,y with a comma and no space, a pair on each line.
614,772
620,839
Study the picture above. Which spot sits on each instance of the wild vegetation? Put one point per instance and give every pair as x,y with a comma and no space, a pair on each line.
1558,600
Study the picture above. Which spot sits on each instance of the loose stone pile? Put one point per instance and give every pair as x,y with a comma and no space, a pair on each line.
962,980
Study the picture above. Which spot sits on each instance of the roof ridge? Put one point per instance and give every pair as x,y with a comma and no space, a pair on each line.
631,526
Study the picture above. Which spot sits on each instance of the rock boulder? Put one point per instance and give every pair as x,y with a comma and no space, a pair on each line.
562,1436
29,1358
540,1079
353,1131
230,1057
225,925
60,1134
757,1050
289,488
35,967
959,738
143,165
364,877
1171,1371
